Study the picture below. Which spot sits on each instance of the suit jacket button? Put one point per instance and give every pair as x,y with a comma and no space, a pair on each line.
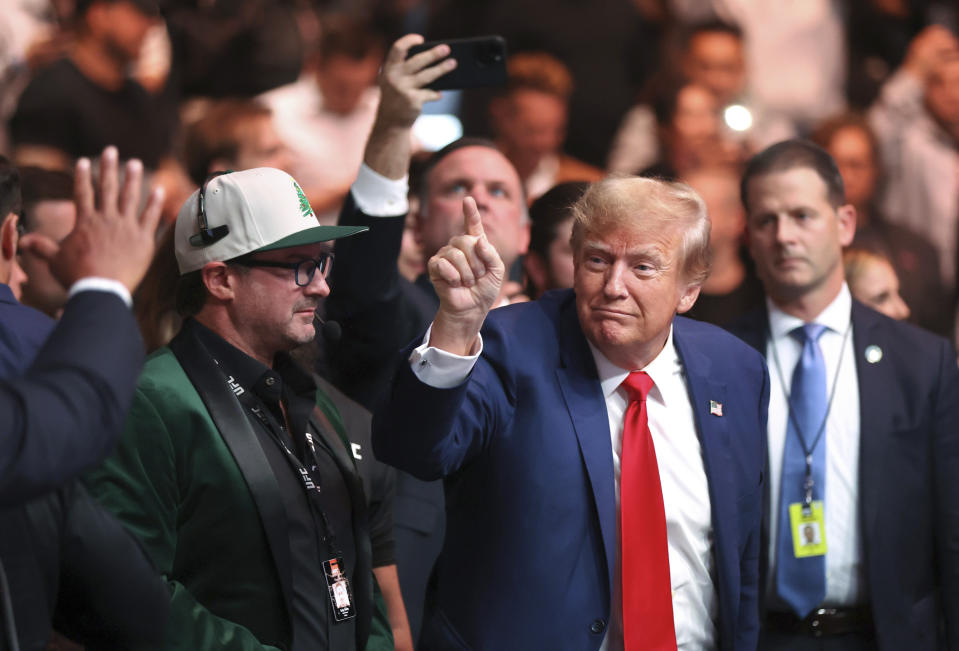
598,626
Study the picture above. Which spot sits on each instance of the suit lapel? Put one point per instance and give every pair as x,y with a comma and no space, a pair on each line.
233,425
714,439
875,416
583,394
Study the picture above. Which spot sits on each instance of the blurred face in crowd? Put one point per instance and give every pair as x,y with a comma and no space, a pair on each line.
942,95
796,236
715,60
720,190
54,219
629,285
695,124
121,28
852,150
260,145
555,270
343,80
484,174
876,284
529,125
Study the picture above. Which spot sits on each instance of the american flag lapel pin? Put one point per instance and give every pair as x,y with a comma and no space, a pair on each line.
715,408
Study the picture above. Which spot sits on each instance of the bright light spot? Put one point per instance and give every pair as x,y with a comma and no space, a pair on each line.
436,131
738,117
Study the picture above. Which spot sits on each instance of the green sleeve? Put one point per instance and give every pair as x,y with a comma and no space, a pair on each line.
381,633
138,484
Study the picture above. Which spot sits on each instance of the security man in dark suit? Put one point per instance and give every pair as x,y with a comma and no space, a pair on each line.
863,442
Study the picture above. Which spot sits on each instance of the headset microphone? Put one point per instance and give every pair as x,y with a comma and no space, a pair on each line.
331,329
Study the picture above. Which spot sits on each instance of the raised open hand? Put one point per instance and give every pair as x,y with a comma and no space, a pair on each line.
403,81
110,240
467,274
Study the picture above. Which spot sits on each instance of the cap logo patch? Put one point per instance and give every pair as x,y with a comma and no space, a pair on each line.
305,208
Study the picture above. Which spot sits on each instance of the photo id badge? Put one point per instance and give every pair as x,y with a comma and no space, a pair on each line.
809,529
341,595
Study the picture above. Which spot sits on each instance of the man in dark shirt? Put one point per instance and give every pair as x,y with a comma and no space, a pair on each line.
229,468
76,106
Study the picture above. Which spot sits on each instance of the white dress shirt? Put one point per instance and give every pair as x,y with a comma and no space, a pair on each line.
844,577
682,474
97,284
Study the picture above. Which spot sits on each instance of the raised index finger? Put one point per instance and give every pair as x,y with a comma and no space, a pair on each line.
472,219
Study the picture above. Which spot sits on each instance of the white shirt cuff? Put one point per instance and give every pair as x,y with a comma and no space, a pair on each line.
441,369
95,284
378,196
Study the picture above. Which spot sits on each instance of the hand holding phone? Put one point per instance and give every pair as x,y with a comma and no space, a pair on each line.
480,61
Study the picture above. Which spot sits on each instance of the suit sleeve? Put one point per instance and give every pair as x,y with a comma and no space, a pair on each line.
110,593
367,300
62,417
431,433
747,628
139,485
946,476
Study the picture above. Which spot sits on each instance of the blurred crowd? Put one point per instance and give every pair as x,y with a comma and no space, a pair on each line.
677,89
682,90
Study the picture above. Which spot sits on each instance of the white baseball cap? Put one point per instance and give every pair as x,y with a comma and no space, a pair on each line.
260,209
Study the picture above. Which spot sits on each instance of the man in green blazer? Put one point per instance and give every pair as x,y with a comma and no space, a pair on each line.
229,469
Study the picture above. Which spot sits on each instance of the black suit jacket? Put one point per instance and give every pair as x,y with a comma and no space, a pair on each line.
908,478
381,312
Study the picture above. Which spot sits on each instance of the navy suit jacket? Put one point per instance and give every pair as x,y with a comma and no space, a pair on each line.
64,557
524,447
63,415
908,478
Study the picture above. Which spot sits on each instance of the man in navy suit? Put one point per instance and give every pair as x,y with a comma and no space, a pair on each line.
881,455
555,537
62,402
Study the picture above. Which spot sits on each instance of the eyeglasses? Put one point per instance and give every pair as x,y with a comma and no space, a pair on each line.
304,269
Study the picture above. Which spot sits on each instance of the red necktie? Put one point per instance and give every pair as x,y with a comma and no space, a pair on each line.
647,592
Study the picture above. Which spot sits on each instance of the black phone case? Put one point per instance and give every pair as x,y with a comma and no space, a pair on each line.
480,62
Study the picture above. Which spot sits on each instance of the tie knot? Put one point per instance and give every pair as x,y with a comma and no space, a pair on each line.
808,332
637,385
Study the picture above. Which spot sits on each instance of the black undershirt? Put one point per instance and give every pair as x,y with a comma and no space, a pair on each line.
313,624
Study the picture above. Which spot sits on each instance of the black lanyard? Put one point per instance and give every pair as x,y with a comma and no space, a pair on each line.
311,483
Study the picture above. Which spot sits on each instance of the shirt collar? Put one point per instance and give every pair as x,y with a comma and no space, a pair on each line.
835,317
660,369
252,374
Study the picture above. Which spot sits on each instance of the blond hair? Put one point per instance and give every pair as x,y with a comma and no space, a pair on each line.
645,205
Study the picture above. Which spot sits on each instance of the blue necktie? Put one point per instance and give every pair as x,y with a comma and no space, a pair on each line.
801,582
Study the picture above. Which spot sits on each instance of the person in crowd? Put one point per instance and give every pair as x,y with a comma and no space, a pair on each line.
873,282
851,142
81,103
48,209
711,56
732,288
63,560
529,119
325,117
916,119
371,292
584,440
795,61
233,134
227,427
856,398
549,261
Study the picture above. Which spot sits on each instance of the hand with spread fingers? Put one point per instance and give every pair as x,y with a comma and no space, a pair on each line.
467,274
110,240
